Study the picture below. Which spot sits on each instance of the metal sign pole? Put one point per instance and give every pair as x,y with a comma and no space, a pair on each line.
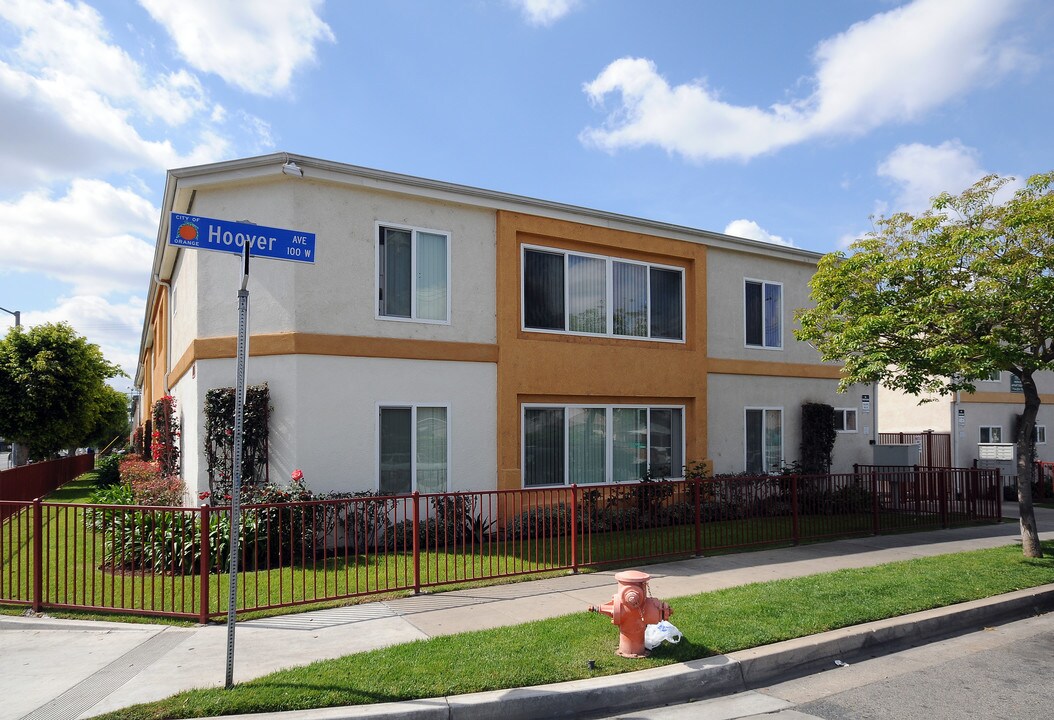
236,483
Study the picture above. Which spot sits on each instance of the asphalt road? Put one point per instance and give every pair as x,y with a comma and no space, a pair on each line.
1002,673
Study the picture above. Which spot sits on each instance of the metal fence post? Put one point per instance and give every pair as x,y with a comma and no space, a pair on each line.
205,567
795,528
942,491
574,528
875,527
38,555
697,502
416,540
999,494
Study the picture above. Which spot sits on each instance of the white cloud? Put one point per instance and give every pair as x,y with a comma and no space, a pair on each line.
97,238
922,172
545,12
73,102
893,67
256,46
749,229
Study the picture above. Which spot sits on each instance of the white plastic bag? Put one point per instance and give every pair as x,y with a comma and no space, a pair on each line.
654,635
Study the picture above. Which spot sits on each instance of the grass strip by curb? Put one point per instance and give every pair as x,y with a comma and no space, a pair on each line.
558,649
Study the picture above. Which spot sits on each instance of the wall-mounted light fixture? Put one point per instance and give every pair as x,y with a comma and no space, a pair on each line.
291,168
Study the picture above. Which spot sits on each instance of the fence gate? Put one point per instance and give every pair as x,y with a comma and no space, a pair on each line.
936,447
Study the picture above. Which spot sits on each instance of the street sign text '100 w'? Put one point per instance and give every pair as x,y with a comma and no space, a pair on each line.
205,233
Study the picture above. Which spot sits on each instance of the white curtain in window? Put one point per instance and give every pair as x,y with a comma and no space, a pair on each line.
587,294
666,460
773,440
630,299
587,445
431,449
431,276
629,440
773,315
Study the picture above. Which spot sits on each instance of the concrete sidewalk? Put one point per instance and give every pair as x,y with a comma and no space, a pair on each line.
57,669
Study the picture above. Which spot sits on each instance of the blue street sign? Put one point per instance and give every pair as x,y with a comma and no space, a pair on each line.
204,233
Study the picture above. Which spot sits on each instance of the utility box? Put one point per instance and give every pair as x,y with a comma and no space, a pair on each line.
897,455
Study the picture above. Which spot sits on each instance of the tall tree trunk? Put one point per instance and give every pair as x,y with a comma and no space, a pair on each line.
1029,532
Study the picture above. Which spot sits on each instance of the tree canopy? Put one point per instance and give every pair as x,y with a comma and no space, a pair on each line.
53,391
930,303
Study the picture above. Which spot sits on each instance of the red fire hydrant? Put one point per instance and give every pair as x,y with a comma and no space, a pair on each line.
632,610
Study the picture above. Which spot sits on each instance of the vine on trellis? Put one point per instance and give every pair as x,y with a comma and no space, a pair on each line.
165,436
219,439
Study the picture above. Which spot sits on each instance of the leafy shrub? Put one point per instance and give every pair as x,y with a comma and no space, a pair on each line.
148,486
100,519
108,470
546,521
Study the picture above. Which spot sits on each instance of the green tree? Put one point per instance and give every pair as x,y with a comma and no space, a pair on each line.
112,421
931,303
52,388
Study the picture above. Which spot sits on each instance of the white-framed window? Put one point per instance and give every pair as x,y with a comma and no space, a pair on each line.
413,447
991,434
570,292
1040,432
763,311
413,274
994,376
585,444
845,420
763,433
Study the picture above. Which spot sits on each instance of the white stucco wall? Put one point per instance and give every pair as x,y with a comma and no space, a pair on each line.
726,272
325,410
189,410
337,294
730,395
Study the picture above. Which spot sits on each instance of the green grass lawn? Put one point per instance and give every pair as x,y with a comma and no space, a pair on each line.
560,649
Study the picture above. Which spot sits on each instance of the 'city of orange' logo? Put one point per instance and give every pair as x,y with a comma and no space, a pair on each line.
188,231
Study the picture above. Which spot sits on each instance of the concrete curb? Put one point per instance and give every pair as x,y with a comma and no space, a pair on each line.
704,678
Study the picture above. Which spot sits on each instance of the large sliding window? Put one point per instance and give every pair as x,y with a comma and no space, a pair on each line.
413,278
763,306
579,444
764,440
414,448
597,295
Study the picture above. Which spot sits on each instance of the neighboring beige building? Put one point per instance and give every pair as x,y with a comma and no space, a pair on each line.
454,338
977,422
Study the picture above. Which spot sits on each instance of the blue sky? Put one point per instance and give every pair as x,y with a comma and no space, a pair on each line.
790,122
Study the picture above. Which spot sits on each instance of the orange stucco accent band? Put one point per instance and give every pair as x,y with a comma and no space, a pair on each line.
723,366
1005,398
573,369
340,345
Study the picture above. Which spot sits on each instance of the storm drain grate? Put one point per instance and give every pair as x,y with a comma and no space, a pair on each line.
94,688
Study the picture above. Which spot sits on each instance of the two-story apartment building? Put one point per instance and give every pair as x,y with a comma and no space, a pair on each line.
454,338
974,421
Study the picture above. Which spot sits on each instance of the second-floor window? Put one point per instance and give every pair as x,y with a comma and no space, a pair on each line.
413,275
763,306
597,295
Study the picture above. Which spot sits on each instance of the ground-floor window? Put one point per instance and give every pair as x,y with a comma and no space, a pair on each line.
845,420
413,444
582,444
991,434
1041,434
764,439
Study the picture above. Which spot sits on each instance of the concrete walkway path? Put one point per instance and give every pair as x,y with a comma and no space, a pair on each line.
66,669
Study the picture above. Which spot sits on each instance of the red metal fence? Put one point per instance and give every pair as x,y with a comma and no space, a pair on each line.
27,482
173,561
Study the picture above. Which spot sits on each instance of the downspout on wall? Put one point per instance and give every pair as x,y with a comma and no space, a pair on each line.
168,330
